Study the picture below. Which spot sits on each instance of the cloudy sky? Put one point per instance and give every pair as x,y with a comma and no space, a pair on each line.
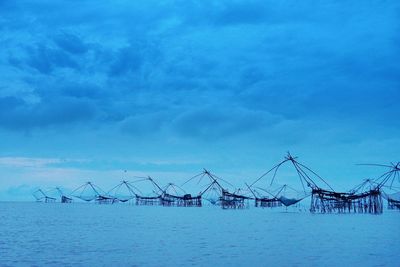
89,89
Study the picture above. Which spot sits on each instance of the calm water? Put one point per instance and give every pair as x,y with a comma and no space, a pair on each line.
38,234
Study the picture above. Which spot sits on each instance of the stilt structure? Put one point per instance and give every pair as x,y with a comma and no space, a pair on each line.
276,195
123,192
392,195
393,204
174,195
216,194
364,198
210,190
152,198
41,196
63,197
387,184
360,199
262,200
90,192
234,200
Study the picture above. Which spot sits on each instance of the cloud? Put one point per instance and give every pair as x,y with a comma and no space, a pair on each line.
275,66
10,102
239,12
46,60
162,78
229,13
144,124
126,60
216,123
71,43
27,162
16,114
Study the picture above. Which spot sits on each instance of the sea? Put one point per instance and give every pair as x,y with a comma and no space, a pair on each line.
78,234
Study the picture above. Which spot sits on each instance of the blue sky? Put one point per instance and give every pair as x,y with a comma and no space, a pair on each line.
165,88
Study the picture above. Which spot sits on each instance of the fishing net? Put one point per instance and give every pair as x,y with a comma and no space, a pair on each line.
90,192
41,196
298,180
147,191
123,192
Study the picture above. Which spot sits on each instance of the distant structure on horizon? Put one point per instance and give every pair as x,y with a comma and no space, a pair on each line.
366,197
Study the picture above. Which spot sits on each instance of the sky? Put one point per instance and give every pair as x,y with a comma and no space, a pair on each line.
91,89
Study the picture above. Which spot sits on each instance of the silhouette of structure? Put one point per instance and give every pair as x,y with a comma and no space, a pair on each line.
360,199
366,197
393,204
174,195
151,199
123,192
41,196
216,194
282,195
234,200
387,182
90,192
63,197
262,200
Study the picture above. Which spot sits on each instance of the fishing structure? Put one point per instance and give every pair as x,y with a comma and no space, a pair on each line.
235,200
210,188
283,195
152,199
51,195
41,196
123,192
386,184
174,195
264,198
278,197
327,200
393,204
90,192
63,198
366,197
216,194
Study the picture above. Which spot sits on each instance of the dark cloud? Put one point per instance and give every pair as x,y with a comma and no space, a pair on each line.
71,43
227,13
16,114
7,6
15,62
46,60
144,124
216,122
126,61
363,104
238,12
198,69
10,103
230,82
85,90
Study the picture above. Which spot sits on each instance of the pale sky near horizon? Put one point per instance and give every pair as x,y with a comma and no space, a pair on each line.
89,89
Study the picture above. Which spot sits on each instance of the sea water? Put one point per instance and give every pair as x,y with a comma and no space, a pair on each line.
55,234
